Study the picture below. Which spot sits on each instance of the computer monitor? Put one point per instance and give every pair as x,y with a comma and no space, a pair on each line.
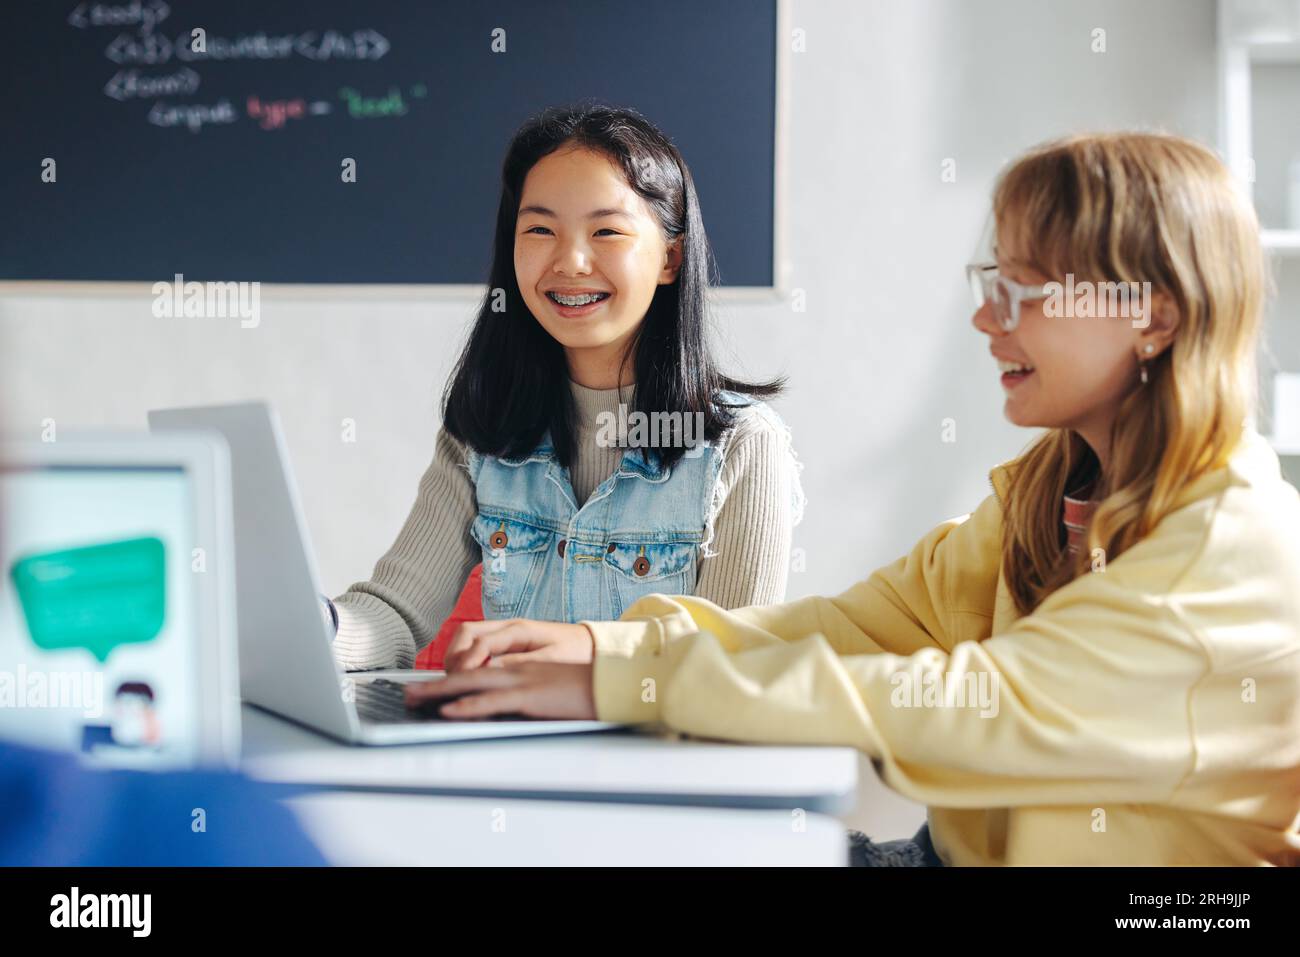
117,600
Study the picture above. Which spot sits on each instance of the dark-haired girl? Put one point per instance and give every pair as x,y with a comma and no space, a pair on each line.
591,452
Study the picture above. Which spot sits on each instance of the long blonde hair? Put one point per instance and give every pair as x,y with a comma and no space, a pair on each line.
1134,207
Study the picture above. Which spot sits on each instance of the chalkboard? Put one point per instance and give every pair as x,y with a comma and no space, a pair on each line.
227,164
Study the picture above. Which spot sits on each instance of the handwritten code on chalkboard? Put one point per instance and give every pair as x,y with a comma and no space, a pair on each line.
211,138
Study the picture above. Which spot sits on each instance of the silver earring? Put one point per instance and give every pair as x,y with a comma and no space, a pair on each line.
1142,366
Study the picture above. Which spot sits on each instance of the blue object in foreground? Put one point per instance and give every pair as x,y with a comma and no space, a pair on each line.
54,812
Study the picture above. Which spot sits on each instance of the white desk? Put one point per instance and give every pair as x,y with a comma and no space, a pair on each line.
619,766
368,829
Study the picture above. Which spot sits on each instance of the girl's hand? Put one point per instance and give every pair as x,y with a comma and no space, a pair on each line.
535,689
515,640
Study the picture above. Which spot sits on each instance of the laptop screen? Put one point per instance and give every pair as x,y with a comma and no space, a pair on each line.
98,604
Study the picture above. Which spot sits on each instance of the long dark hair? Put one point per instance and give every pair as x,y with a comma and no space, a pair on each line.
511,382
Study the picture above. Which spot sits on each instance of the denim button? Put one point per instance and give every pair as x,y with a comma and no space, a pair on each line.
499,539
561,547
641,566
611,548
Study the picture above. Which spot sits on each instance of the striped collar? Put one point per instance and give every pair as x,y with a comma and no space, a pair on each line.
1077,514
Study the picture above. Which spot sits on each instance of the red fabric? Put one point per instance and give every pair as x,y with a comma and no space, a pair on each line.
1078,512
469,607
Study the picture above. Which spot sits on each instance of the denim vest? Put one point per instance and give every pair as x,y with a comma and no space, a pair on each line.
640,532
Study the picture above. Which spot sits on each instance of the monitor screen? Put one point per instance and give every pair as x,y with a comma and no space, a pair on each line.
98,605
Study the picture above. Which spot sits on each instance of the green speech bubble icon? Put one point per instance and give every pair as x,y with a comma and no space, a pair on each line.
96,597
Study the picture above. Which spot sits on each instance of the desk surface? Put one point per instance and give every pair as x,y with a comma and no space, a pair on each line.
617,766
367,829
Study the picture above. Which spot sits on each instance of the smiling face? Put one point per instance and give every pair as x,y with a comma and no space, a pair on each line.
589,254
1074,371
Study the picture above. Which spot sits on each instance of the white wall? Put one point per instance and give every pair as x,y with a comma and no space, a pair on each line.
885,92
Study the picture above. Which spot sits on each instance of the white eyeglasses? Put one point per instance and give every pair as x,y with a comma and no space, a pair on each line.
989,285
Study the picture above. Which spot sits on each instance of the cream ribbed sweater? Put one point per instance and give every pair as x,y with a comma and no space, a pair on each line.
384,622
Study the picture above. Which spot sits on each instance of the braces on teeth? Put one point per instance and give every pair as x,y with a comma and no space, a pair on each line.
580,300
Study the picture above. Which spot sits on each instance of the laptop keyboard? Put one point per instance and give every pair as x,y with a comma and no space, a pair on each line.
384,702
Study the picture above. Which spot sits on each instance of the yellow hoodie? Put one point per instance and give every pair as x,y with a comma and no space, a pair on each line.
1146,714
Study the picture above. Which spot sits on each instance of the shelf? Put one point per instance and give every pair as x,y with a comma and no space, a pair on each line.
1279,51
1284,241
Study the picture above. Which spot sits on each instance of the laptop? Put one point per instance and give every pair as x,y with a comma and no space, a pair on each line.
286,663
117,600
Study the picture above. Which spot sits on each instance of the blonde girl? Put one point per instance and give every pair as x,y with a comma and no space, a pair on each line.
1101,663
